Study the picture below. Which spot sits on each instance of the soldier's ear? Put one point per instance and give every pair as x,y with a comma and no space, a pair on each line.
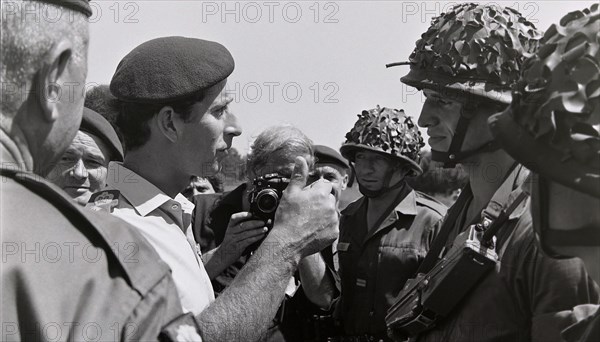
165,119
53,79
345,179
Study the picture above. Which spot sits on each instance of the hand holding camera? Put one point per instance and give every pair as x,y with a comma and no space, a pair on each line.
242,232
306,220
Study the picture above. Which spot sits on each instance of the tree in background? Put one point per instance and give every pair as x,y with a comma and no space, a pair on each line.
233,169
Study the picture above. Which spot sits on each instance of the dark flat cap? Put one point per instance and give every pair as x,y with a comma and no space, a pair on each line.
328,155
97,125
82,6
170,69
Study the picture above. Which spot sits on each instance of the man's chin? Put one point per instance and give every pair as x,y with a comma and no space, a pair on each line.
81,196
209,170
371,187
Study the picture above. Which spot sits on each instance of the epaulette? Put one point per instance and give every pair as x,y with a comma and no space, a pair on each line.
106,200
183,328
431,203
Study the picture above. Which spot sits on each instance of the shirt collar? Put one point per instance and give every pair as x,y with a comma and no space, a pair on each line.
144,196
408,206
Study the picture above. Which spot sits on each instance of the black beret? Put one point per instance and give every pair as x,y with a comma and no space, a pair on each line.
97,125
82,6
326,154
169,69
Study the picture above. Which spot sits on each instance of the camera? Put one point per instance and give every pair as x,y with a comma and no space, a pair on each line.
264,198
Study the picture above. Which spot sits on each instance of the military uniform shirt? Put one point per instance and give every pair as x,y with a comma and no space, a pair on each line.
69,274
519,299
166,224
374,265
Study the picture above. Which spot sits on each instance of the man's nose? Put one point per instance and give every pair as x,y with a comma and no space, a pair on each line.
233,128
428,116
79,170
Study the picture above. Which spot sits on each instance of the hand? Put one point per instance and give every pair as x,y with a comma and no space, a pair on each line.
307,217
241,233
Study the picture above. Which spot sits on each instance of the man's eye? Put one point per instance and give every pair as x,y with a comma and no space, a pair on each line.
218,112
330,177
94,163
67,158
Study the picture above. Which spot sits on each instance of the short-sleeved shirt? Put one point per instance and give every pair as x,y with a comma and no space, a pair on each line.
375,264
166,224
518,301
72,274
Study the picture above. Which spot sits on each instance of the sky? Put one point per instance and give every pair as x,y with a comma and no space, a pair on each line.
312,64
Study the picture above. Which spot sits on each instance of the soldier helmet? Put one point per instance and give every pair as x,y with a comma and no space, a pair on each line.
387,131
473,50
552,125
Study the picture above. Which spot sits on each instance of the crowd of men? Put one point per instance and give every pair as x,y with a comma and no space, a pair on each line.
115,227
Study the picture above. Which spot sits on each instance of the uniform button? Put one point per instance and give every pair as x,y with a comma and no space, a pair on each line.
174,207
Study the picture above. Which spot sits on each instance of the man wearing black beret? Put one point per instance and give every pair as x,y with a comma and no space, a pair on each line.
83,168
72,274
174,116
331,166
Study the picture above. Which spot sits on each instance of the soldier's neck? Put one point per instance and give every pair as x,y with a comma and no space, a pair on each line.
155,170
485,177
15,150
378,205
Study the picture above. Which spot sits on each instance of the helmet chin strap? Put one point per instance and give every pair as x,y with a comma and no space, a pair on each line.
385,188
454,155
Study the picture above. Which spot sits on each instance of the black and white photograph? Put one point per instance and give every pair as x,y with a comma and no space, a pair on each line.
337,171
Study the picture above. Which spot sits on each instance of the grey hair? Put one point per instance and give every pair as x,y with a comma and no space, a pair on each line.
285,140
29,30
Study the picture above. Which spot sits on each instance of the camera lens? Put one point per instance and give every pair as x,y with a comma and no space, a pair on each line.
267,200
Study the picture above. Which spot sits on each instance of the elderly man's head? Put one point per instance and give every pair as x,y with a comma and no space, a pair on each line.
44,66
275,149
83,168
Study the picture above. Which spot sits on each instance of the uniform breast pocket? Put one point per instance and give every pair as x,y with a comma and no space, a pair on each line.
396,265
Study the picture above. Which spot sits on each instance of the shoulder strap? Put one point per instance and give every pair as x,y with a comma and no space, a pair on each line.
440,241
501,206
124,246
504,202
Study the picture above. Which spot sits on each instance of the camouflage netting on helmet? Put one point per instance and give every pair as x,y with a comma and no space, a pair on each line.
477,43
558,99
388,130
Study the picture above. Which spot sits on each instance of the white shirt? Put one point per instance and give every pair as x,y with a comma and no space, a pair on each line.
166,223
